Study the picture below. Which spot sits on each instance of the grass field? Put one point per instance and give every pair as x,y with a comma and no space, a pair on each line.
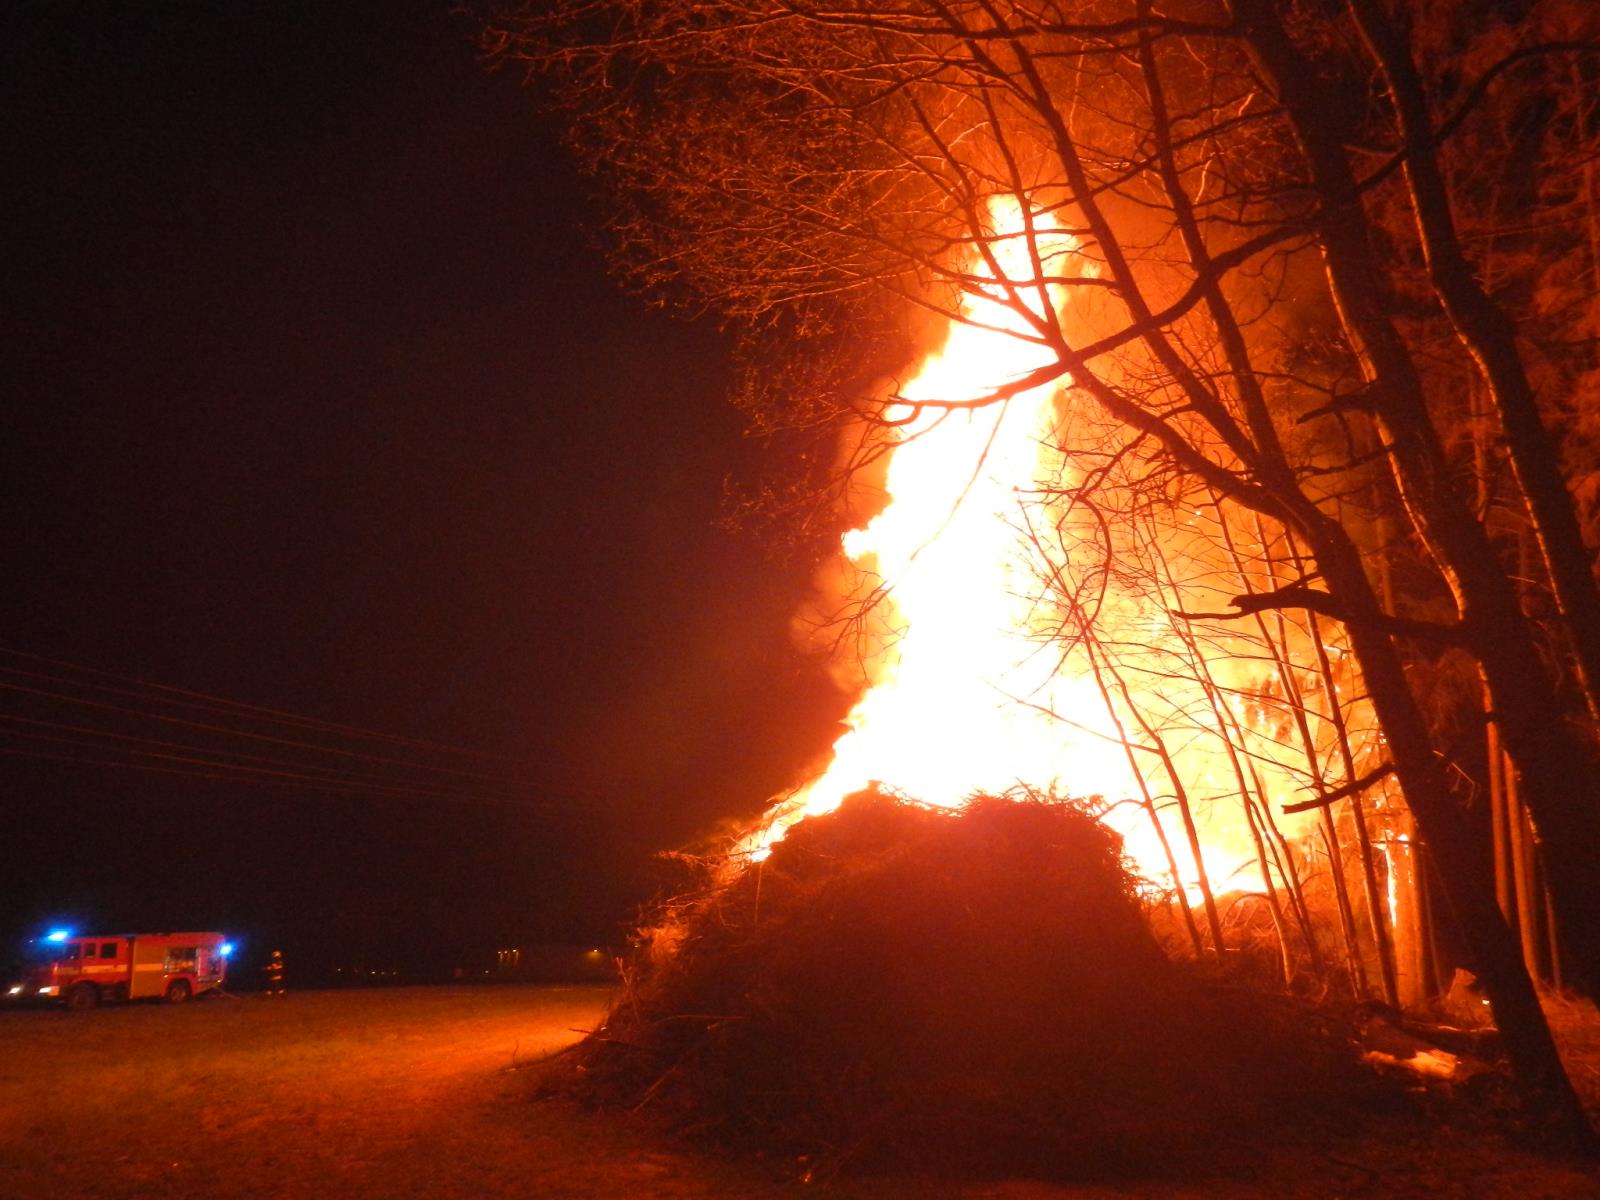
400,1092
418,1092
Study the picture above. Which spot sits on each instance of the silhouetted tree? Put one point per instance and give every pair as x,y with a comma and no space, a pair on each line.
1248,192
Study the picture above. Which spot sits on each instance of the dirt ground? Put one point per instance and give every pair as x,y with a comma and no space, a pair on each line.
426,1092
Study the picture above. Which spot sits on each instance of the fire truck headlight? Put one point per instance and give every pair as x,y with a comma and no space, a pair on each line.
16,989
50,990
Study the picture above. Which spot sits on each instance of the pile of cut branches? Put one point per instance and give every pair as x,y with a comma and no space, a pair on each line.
967,990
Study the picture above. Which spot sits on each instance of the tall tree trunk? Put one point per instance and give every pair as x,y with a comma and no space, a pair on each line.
1557,768
1496,956
1533,722
1491,338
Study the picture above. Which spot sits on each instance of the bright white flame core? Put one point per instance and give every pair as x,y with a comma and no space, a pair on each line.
973,693
963,700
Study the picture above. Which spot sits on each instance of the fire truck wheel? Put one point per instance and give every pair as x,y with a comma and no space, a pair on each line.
83,997
178,991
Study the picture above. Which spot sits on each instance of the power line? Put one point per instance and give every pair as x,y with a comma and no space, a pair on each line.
237,778
280,715
255,737
222,757
266,774
291,770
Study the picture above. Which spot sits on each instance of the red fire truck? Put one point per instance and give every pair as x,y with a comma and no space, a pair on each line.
81,971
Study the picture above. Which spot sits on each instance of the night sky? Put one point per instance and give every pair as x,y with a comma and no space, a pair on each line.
318,397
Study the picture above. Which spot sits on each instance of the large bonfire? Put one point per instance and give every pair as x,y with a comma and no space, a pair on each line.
964,694
923,946
981,669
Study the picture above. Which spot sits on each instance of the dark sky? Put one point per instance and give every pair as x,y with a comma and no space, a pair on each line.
318,397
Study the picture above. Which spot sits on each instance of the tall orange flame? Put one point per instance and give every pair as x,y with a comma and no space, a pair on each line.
971,696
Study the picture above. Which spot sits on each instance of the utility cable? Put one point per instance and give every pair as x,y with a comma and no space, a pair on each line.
288,781
221,756
275,713
257,737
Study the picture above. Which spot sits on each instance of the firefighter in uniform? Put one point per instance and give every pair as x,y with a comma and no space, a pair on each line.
274,972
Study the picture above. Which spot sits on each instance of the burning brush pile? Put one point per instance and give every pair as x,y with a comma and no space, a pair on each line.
963,989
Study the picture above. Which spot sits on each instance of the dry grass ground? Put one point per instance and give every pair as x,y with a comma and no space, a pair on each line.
390,1093
407,1093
